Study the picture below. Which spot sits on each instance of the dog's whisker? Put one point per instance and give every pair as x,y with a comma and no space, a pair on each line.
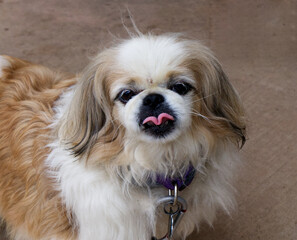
200,115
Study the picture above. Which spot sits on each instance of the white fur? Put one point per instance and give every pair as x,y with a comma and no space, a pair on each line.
102,209
4,63
150,57
98,202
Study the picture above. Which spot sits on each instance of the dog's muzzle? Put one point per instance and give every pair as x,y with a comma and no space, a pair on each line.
156,118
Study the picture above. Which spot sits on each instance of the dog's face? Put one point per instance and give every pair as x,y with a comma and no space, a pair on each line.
153,90
155,113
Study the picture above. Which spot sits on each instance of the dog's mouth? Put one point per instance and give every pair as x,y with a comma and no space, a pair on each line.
160,125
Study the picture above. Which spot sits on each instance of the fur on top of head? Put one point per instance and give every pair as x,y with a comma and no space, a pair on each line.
163,96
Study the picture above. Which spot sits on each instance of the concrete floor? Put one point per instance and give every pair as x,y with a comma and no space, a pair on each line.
255,40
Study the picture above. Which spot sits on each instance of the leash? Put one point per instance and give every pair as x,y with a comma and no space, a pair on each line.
174,206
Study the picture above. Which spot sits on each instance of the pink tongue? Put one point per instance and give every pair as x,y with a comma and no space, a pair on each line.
161,118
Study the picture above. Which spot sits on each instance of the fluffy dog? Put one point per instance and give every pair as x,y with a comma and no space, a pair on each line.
80,155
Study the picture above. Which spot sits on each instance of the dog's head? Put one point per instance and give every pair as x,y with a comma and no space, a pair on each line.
152,93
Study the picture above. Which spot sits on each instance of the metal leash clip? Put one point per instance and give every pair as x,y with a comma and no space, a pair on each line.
175,207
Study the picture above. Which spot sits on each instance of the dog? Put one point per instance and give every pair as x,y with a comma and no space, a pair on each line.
81,155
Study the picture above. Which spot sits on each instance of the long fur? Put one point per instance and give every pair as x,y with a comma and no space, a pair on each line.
75,165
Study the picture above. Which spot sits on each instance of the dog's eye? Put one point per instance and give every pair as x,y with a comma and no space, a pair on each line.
181,88
125,95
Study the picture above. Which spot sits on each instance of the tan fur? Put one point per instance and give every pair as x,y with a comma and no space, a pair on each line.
90,122
27,200
215,97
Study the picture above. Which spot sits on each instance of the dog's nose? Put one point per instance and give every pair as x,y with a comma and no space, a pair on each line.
153,100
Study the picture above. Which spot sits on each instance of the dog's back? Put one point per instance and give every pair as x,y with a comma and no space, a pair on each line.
27,95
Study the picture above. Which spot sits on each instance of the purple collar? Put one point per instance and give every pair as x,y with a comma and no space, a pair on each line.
181,181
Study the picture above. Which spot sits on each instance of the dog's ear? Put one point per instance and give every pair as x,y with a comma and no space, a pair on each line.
217,99
88,117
